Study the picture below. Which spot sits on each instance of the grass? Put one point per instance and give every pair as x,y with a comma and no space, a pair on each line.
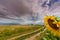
8,31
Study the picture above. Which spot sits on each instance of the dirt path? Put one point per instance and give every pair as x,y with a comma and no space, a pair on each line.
13,38
33,37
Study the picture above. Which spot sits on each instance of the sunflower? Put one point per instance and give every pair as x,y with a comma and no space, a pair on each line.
52,25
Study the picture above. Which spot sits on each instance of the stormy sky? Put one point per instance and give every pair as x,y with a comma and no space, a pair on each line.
27,11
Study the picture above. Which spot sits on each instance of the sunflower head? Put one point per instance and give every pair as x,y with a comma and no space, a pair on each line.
51,24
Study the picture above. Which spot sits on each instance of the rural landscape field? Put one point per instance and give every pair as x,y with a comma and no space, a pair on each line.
29,19
25,32
13,32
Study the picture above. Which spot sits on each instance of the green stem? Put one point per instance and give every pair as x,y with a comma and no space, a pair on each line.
58,38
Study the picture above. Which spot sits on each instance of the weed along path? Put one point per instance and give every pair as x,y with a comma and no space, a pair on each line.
25,36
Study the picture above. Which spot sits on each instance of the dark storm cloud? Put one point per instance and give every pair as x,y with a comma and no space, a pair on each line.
18,8
14,8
